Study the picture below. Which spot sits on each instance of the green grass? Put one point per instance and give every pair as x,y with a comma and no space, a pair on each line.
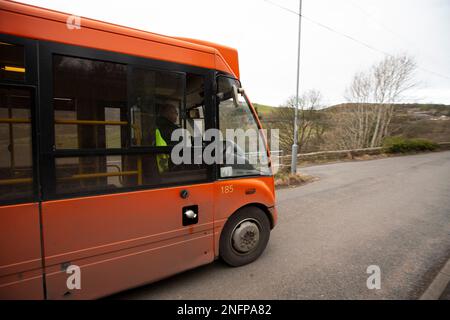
401,145
263,109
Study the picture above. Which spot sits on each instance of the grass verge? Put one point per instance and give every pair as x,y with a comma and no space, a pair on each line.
284,179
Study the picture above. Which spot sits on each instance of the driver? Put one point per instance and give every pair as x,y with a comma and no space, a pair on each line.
166,123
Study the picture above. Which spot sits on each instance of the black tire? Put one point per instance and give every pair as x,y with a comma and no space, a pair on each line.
252,216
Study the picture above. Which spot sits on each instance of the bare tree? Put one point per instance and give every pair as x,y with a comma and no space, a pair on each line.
309,126
364,121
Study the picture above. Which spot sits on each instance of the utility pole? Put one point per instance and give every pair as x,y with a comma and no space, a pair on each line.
295,146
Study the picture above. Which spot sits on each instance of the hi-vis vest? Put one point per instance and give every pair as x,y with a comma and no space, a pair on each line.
162,160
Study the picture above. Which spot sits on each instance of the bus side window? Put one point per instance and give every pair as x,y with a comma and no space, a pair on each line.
89,103
195,105
192,119
101,105
151,93
16,168
12,62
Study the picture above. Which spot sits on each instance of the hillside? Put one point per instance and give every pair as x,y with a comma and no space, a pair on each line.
416,110
426,121
263,110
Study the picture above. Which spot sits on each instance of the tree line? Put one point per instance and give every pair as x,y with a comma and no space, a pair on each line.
364,121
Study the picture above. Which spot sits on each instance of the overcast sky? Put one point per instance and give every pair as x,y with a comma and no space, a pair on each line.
266,38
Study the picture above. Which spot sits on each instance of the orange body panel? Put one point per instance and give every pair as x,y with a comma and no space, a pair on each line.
228,203
129,239
229,56
20,252
24,21
124,240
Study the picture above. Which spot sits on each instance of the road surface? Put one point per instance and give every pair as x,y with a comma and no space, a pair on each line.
393,213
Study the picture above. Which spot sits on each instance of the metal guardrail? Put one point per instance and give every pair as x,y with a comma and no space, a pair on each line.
276,157
444,145
338,154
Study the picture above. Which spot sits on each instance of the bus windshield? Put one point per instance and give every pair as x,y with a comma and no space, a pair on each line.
245,147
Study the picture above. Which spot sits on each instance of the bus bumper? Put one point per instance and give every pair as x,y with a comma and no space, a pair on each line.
274,214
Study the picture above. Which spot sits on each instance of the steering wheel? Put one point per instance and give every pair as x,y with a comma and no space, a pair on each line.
239,158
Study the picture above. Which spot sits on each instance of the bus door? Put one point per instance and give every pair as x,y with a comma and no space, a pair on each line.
20,240
114,219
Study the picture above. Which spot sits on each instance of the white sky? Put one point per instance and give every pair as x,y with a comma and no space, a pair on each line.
266,38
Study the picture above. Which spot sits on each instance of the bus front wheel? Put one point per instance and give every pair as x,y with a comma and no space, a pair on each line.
244,236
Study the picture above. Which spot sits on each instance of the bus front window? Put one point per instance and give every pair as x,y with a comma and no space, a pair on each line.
245,151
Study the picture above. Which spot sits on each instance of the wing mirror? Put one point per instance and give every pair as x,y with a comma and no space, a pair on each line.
235,91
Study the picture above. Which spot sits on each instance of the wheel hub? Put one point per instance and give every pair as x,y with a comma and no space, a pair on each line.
245,236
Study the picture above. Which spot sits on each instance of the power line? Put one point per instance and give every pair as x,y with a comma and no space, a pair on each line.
346,36
281,7
368,46
372,17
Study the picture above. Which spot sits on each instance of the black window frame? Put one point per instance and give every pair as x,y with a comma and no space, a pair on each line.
31,67
48,152
29,82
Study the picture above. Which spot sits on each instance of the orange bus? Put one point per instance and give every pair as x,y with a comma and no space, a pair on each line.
79,178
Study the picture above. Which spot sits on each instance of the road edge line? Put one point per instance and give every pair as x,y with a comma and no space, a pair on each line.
438,285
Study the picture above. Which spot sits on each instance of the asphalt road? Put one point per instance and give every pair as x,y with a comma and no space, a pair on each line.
446,294
393,213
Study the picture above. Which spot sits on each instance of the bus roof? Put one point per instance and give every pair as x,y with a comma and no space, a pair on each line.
43,24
